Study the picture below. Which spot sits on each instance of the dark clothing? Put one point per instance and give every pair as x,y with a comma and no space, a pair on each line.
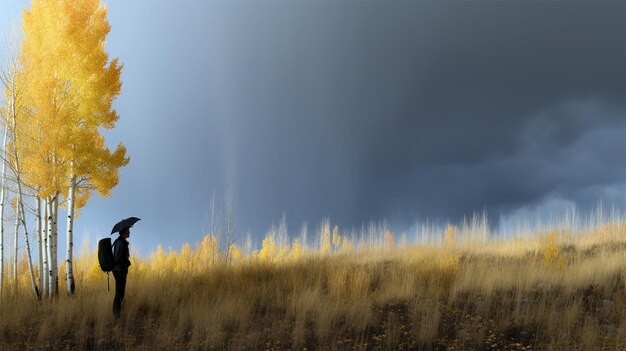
121,256
120,286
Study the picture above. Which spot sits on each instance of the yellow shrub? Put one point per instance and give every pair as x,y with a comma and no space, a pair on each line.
269,249
296,251
552,256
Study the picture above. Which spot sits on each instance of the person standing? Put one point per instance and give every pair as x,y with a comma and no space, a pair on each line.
121,256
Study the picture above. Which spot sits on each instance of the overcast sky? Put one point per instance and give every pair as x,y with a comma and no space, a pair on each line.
361,110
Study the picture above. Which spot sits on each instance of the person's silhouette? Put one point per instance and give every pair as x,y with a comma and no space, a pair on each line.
121,256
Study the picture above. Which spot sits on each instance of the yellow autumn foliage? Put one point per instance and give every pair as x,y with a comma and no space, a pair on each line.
452,234
552,256
269,249
296,251
71,84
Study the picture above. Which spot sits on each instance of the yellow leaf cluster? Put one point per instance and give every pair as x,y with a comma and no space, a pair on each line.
71,86
271,252
269,249
296,251
552,256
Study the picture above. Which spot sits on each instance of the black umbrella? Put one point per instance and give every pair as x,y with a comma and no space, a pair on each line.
123,224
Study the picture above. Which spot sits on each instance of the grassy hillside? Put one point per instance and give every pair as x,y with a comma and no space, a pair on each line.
555,290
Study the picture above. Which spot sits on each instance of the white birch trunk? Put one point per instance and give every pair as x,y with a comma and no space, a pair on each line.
51,278
46,251
1,256
70,237
55,241
21,198
15,252
2,188
31,270
39,241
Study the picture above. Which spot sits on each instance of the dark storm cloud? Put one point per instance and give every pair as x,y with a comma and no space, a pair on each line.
415,110
538,168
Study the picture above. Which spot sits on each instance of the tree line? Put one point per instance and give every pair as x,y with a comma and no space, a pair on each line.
58,87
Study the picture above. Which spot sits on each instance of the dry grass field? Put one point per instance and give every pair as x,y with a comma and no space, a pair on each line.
554,290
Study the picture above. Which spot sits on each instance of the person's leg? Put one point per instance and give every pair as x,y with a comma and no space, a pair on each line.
116,305
120,286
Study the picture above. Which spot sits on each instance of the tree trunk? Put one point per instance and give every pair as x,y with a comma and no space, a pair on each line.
15,252
46,250
31,270
20,195
39,242
55,240
70,237
51,277
2,188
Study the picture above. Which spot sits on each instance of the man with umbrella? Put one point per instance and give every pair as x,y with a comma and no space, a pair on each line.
121,256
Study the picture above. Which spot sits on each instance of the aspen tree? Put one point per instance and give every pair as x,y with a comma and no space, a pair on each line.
325,239
15,247
52,277
92,166
2,194
44,238
55,241
282,236
229,234
73,85
6,72
21,213
303,234
38,140
15,82
39,241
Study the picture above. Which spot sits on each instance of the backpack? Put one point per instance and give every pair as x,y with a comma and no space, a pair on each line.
105,255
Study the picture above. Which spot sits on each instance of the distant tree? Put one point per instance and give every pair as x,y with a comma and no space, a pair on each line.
282,235
229,233
303,235
389,237
325,239
452,234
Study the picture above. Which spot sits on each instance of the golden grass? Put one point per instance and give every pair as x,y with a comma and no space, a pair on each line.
550,291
